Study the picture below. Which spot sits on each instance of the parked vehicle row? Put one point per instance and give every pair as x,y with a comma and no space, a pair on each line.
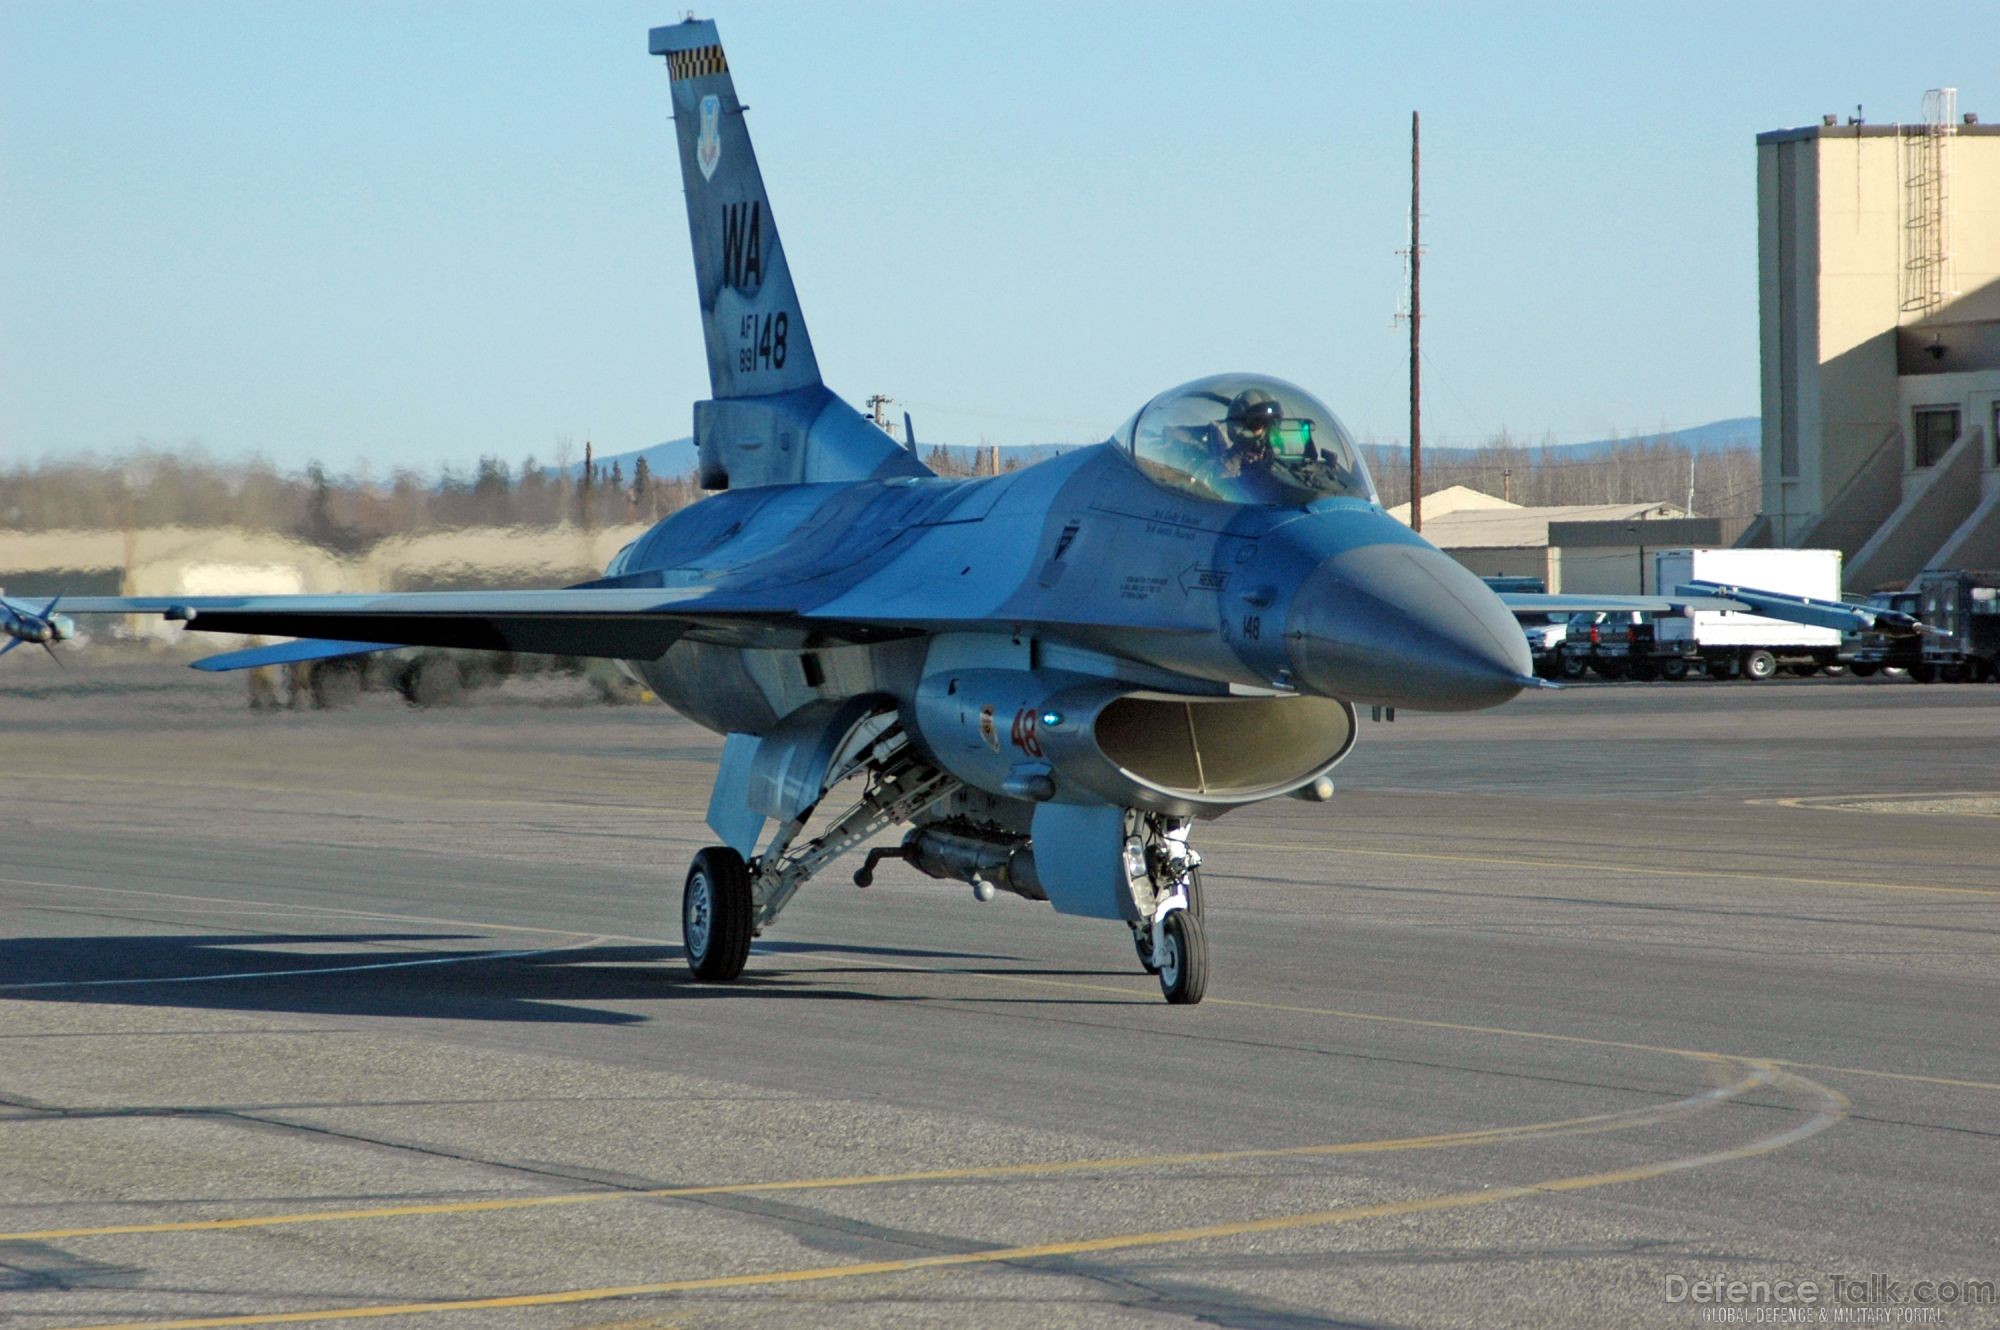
1958,610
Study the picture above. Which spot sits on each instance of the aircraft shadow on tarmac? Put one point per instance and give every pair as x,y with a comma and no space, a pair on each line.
394,974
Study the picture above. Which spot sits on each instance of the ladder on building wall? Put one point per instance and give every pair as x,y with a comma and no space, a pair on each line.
1926,161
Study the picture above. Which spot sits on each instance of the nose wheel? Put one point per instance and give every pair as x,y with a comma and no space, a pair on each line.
1183,958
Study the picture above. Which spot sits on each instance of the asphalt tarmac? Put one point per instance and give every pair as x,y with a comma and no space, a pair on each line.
1555,1016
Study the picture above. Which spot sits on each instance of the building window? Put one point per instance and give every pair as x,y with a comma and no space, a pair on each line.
1993,436
1936,431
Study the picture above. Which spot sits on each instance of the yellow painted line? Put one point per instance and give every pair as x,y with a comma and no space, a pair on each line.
1627,870
1840,803
1832,1109
1950,1081
1595,1123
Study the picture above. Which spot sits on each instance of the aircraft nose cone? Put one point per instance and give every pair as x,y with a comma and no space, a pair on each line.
1401,624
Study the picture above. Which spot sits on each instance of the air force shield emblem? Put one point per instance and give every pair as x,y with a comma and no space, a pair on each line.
708,143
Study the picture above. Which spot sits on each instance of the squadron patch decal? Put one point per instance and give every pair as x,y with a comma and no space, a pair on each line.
708,143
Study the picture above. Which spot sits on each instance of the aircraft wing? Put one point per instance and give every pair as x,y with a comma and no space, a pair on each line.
620,622
1523,602
632,623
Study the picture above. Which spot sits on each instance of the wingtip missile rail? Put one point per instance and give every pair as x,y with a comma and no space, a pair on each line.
43,628
1807,610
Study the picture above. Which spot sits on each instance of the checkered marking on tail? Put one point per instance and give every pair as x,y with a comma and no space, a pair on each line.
701,62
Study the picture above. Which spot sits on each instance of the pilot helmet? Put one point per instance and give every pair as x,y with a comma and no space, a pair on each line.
1252,414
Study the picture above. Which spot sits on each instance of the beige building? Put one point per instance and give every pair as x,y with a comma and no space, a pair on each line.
1600,548
1879,309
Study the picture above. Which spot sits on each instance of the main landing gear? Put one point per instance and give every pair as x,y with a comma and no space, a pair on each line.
716,909
728,900
1154,876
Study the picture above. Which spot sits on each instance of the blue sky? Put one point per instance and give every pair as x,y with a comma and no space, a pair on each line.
410,234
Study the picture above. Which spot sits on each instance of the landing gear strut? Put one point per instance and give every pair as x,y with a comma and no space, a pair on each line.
1171,941
729,900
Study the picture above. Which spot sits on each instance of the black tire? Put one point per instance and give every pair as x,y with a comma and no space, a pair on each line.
334,684
715,914
1572,668
1923,673
1674,668
1862,671
432,681
1759,665
1834,671
1142,934
1183,959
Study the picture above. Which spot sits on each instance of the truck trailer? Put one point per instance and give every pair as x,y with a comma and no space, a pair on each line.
1730,644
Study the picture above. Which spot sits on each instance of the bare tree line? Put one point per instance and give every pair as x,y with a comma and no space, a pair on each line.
166,487
1725,482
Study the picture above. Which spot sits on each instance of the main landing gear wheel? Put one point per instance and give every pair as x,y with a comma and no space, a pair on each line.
1183,958
715,914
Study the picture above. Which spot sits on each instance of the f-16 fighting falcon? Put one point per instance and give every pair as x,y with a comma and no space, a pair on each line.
1051,677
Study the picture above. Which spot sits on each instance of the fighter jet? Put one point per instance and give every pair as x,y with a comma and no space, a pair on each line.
1050,677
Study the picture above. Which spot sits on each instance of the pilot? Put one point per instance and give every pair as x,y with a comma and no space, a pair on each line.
1239,447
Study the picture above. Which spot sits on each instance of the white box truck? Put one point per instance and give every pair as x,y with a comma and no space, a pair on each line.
1732,644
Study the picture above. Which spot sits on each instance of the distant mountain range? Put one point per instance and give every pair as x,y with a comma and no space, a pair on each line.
676,456
1718,436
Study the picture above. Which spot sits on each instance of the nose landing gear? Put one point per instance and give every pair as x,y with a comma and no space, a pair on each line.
1171,942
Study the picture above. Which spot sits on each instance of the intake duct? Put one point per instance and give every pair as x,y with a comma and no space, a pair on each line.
1041,735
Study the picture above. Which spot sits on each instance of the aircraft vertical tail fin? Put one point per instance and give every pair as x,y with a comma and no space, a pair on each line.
757,340
771,420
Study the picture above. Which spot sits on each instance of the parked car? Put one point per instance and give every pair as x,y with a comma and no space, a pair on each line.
1871,652
1545,634
1614,644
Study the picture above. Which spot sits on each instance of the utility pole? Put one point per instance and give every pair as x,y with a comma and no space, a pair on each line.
877,411
1416,325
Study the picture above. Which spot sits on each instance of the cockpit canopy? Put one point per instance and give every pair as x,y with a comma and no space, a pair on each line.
1243,438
